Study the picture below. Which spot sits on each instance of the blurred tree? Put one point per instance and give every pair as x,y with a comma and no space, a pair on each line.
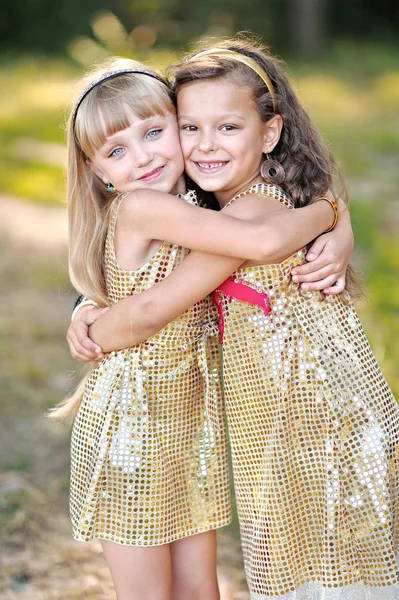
365,19
44,25
308,18
178,22
302,25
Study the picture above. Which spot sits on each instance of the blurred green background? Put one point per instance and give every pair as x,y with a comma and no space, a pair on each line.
344,61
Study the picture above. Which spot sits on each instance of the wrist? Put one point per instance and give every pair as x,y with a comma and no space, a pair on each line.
85,305
333,208
98,334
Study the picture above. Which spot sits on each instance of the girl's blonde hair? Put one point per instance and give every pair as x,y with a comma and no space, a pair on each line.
105,110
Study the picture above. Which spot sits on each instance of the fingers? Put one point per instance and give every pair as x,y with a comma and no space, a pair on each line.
315,275
327,259
316,248
83,355
81,346
326,282
330,283
337,288
72,343
81,332
80,357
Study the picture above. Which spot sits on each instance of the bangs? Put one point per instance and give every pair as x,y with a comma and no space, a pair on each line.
108,108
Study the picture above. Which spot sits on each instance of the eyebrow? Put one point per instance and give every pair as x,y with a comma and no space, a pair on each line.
113,139
222,117
146,123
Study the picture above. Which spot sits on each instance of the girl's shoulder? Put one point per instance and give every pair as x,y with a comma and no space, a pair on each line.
146,213
261,190
257,201
141,199
142,203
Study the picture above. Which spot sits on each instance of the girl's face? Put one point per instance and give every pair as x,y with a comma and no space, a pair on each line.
222,136
145,155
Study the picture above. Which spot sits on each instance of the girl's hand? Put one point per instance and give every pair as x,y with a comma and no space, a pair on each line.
80,345
327,259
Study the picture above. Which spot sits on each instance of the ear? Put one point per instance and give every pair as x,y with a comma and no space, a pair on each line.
97,171
272,133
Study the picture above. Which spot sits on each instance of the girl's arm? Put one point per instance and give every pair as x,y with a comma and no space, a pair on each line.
287,229
328,258
160,216
139,317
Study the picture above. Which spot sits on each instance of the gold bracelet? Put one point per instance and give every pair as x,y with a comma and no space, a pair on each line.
334,206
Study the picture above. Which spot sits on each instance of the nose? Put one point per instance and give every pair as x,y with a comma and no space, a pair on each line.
141,155
206,142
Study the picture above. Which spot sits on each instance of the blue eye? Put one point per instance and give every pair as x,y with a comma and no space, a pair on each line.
117,152
153,133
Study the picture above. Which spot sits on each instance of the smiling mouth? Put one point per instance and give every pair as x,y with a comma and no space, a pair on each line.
211,167
152,174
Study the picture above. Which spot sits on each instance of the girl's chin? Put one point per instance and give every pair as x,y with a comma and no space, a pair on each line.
208,186
157,186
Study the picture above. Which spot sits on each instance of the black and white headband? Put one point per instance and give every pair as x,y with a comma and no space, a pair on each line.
105,77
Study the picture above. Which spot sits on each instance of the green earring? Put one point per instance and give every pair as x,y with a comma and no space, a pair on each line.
110,187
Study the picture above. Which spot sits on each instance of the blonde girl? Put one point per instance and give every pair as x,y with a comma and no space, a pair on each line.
314,428
149,470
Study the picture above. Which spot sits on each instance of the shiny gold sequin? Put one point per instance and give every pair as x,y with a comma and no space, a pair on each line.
314,431
149,459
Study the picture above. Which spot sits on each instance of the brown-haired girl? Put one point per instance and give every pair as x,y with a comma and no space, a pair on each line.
149,470
314,428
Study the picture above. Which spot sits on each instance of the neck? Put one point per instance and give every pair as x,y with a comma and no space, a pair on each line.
224,196
180,186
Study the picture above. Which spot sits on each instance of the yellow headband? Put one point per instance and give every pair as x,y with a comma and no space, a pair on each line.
245,60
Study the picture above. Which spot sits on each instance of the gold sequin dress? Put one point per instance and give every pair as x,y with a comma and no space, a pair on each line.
314,431
149,461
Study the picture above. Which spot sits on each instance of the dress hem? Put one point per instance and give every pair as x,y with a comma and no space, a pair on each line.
169,541
314,590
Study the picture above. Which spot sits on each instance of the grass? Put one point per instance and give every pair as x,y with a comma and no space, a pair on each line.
34,181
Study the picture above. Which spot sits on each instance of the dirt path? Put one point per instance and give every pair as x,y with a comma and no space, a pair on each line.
43,227
39,560
55,567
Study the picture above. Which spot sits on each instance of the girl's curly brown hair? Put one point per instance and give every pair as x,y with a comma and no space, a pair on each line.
310,168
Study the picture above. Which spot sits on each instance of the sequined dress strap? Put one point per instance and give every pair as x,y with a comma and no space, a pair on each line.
113,217
264,189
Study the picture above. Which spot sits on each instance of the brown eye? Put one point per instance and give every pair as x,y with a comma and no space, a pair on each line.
229,127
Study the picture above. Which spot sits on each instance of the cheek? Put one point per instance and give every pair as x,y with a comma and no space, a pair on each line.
170,148
120,170
248,150
186,146
122,165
